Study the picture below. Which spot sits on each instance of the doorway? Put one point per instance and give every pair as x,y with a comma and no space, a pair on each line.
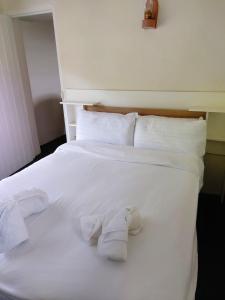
38,38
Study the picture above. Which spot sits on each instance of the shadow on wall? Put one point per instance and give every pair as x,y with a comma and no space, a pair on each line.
214,174
49,118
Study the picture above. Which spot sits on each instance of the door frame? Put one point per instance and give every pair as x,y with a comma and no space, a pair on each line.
48,10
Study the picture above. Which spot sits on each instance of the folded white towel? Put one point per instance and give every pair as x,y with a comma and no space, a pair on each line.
91,227
13,211
111,231
13,230
32,201
113,241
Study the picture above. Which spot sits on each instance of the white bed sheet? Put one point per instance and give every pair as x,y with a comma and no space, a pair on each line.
85,178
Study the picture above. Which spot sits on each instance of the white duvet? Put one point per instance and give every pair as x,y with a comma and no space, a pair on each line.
85,178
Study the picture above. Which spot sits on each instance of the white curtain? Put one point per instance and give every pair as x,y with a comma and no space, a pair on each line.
18,133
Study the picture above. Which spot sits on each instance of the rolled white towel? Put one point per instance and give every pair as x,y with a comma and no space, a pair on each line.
13,211
91,227
32,201
112,243
111,231
13,230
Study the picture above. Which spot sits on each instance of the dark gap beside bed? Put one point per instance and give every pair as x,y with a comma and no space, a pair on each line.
211,248
46,149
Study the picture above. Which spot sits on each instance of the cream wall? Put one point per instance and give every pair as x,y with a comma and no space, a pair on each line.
40,50
109,50
102,45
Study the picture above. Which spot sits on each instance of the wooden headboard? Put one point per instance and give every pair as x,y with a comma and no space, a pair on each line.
147,111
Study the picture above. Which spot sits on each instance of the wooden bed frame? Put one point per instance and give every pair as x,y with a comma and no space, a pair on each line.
147,111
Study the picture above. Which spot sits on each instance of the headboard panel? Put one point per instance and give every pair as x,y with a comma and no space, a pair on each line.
147,111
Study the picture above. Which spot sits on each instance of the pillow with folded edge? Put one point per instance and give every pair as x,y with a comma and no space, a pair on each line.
171,134
110,128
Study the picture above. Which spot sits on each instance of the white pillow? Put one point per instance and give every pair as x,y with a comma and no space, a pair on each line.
172,134
108,128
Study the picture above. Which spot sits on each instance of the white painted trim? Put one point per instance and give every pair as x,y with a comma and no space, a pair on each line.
154,99
210,109
77,103
57,47
28,12
32,12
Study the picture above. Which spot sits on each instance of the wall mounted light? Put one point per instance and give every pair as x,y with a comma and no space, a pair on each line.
151,14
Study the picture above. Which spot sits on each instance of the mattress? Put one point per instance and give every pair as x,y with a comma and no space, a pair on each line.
87,178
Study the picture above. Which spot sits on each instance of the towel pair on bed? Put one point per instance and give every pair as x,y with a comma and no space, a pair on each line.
13,211
111,231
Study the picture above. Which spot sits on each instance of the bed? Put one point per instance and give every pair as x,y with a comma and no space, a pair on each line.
89,177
